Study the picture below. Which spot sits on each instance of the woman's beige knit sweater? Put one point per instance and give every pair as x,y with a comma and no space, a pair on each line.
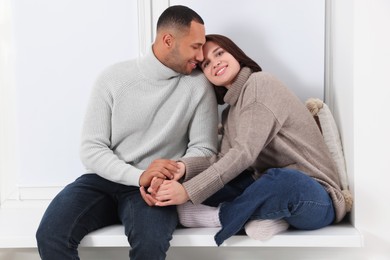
266,126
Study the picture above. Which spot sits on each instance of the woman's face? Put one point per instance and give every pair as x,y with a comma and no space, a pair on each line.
219,66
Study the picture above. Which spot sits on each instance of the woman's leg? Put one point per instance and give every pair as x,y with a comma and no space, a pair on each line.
207,213
148,229
264,229
191,215
279,194
78,209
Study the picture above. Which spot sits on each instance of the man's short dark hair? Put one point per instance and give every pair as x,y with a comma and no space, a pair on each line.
179,16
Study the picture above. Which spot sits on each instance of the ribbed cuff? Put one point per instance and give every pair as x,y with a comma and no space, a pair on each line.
194,166
202,186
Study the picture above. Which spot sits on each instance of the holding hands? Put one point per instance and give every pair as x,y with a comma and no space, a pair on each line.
164,189
161,168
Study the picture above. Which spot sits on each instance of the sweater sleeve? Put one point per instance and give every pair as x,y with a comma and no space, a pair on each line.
256,127
95,151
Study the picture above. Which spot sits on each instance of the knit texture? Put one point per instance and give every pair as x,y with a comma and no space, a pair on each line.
266,126
141,110
264,229
198,215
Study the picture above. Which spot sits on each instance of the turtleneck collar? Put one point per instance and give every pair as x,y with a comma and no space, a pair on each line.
152,68
234,91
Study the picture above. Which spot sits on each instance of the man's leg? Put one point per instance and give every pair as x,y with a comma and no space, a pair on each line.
148,229
81,207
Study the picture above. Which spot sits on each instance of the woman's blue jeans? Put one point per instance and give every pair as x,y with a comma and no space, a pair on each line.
280,193
92,202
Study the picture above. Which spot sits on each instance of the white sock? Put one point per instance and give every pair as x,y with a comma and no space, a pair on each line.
264,229
200,215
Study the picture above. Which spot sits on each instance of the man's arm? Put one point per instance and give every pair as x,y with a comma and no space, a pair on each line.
96,153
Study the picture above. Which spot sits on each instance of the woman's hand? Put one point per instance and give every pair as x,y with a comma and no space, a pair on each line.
180,173
170,192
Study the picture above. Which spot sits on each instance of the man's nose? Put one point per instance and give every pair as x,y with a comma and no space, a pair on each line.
199,56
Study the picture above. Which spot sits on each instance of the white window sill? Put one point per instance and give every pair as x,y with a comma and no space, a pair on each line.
18,227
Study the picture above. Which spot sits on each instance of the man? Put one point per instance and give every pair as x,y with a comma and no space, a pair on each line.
139,111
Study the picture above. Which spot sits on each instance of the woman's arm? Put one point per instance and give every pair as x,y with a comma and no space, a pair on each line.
256,128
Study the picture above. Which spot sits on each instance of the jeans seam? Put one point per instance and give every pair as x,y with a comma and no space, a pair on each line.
69,236
287,210
308,202
131,228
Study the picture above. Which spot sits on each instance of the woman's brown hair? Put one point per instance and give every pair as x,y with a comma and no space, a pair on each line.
232,48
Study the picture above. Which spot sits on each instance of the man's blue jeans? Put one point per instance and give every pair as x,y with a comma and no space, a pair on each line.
92,202
279,194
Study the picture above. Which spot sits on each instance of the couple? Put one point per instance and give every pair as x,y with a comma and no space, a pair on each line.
150,135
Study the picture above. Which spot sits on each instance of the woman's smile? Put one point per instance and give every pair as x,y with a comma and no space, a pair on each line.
220,71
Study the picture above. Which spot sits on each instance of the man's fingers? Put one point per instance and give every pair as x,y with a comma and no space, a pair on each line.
170,164
147,198
155,185
158,174
168,167
166,173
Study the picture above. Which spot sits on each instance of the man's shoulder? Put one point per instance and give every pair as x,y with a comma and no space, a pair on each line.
197,80
118,72
119,67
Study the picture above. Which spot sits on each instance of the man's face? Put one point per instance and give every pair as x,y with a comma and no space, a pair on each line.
187,51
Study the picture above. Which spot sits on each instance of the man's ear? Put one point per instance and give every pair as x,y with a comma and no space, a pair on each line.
168,40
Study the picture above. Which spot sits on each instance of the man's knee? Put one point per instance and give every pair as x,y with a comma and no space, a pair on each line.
41,235
149,247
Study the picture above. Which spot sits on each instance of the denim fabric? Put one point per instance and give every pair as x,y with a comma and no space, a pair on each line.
279,194
92,202
231,190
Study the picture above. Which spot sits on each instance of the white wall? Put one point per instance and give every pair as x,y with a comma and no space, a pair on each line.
360,64
372,141
286,38
58,51
60,47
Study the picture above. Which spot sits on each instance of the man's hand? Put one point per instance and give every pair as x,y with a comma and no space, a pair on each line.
169,193
161,168
147,197
155,185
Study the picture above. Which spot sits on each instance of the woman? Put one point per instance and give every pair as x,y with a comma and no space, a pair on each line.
273,170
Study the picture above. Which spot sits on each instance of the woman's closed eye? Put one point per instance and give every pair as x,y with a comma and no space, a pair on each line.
219,53
205,64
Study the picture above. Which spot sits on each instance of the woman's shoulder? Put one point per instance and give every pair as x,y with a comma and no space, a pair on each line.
264,77
266,87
